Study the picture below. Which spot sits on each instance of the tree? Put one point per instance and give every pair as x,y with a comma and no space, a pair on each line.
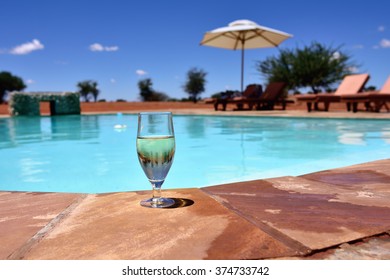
8,83
147,93
145,87
195,84
316,66
276,69
87,89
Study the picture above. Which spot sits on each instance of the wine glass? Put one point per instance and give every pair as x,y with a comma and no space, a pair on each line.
155,149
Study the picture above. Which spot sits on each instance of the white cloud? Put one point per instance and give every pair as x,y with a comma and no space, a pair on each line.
28,47
96,47
29,81
113,81
100,48
381,28
385,43
141,72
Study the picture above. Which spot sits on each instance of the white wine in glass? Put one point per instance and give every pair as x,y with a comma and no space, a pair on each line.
156,149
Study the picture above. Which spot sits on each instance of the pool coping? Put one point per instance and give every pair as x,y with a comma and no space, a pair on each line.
273,113
254,113
340,213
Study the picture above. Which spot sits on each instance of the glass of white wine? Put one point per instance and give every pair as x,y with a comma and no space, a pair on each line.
156,149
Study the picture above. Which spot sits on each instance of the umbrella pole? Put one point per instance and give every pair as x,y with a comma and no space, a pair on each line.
242,69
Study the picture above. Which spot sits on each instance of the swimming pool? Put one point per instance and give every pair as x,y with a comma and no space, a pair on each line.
90,154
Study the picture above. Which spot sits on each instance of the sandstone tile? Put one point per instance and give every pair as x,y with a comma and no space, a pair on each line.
379,166
358,190
368,176
115,226
314,214
23,214
374,248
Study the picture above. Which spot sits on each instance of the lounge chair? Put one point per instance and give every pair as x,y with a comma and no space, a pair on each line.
351,84
249,97
272,95
373,100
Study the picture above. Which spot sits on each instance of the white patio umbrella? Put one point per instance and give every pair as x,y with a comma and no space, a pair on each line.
244,34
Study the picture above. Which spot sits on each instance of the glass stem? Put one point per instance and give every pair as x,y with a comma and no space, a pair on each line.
157,190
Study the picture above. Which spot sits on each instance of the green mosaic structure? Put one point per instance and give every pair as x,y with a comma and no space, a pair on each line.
28,103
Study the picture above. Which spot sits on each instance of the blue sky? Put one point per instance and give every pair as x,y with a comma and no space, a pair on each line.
53,45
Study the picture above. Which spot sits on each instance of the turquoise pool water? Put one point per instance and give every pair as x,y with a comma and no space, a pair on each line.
90,154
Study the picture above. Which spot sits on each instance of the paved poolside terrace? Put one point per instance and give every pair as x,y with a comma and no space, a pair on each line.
342,213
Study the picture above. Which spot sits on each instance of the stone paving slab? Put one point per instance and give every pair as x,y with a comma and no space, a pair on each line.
115,226
314,214
375,248
370,175
24,214
342,213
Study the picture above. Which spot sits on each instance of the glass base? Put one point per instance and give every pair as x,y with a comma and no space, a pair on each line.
161,202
